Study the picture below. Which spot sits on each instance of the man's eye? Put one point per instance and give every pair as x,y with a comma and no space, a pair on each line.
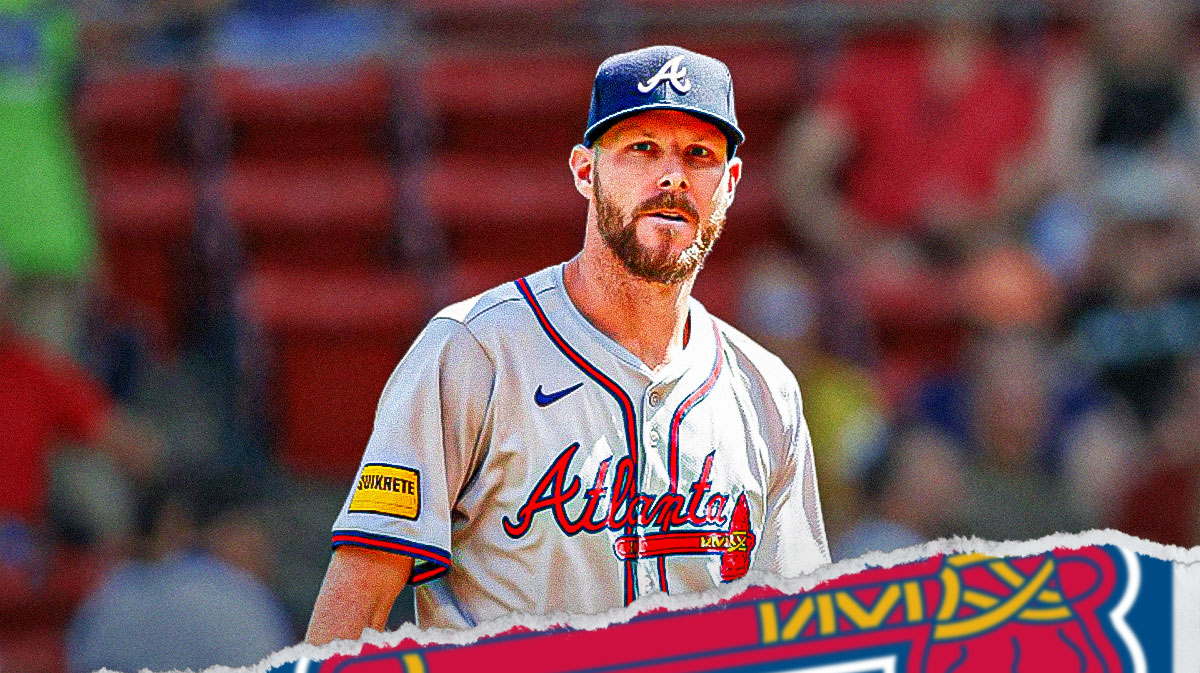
644,146
700,151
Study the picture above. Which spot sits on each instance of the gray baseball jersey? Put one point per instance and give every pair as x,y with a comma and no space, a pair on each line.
530,464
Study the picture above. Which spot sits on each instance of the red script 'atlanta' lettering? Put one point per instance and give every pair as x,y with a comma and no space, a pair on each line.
554,491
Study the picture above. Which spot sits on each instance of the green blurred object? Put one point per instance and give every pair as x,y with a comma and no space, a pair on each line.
45,225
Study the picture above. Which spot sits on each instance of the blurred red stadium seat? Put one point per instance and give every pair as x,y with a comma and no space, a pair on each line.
495,207
131,116
150,201
496,21
526,104
331,214
333,340
145,218
286,113
706,4
475,7
509,85
131,134
767,75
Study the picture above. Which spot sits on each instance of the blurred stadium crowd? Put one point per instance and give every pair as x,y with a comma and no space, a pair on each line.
969,227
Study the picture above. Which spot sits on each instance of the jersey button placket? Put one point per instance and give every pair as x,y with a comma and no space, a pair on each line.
656,444
647,583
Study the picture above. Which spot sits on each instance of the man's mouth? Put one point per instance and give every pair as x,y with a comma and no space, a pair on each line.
669,215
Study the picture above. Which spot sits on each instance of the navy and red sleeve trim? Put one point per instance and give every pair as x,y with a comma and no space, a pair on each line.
429,562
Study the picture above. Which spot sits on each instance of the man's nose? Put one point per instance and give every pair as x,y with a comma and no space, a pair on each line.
673,178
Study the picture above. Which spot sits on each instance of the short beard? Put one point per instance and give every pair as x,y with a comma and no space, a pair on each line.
621,237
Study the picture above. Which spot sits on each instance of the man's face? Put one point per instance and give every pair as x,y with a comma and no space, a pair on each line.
661,186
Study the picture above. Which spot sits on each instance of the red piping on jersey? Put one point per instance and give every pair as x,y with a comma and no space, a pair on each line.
673,437
426,575
622,398
423,554
578,360
686,406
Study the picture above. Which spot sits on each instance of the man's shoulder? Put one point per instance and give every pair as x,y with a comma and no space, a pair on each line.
499,310
752,353
755,361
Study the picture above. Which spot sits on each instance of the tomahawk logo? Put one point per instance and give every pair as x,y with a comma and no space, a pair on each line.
674,74
1066,610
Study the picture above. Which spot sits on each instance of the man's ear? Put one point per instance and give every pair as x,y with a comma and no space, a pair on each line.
733,174
583,169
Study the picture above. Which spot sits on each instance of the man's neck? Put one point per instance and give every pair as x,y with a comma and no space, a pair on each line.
649,319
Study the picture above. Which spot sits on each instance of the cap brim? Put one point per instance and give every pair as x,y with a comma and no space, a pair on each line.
733,133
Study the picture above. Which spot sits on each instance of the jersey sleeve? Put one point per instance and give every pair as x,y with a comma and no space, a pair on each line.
421,451
794,533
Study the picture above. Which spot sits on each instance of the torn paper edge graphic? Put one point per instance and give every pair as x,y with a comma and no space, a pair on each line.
1186,598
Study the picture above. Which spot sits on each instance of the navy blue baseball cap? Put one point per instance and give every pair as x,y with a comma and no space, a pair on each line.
663,78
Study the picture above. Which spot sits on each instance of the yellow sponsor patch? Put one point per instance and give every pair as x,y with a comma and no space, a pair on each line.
388,489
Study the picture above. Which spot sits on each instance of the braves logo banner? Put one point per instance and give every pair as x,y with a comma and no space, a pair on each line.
1090,609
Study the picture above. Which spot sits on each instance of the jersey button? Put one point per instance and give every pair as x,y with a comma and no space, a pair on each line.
655,438
655,398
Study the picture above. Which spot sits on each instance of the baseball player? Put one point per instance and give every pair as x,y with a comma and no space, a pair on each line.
589,434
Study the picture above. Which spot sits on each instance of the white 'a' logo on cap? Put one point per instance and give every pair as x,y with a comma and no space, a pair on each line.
670,71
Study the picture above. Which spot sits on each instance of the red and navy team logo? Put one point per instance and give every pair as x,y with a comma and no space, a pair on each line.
1088,610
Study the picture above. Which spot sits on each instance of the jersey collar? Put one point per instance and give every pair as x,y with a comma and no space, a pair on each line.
697,356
